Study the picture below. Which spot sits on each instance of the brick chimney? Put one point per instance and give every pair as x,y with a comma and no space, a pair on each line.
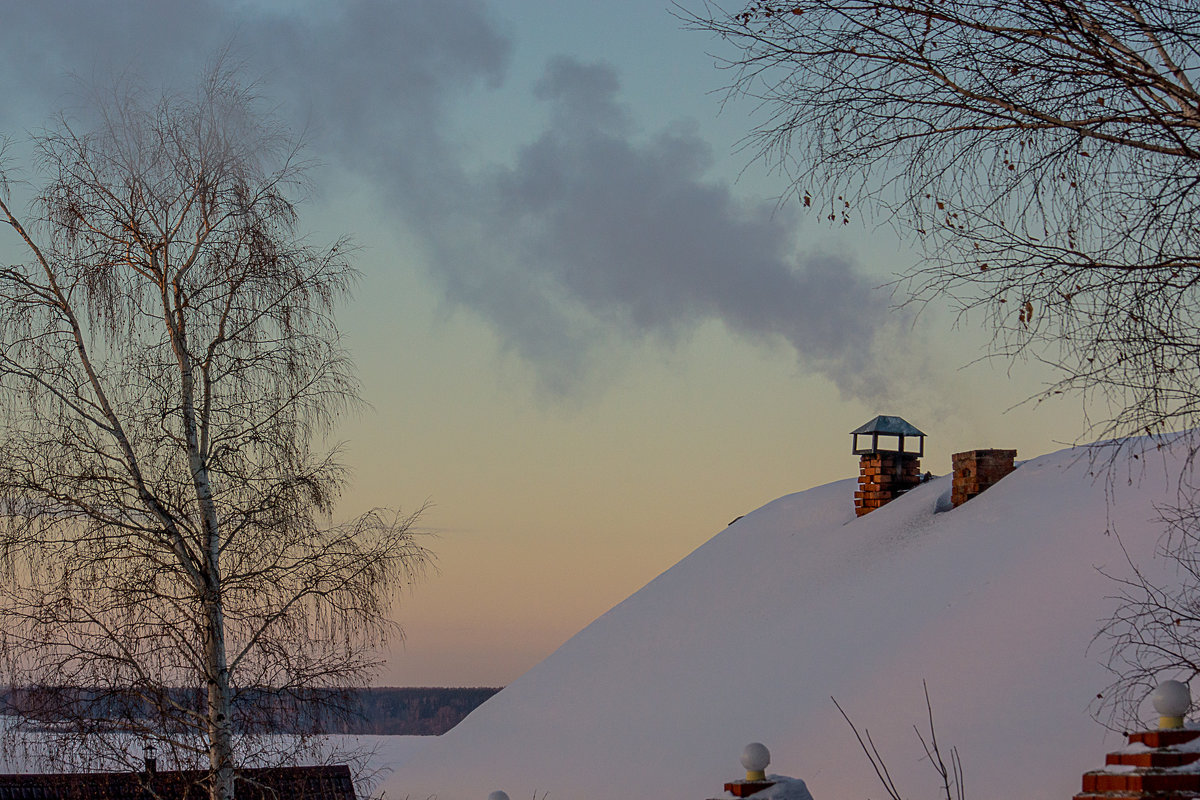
1159,768
977,470
886,469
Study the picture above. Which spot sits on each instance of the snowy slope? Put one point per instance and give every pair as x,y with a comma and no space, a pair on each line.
993,603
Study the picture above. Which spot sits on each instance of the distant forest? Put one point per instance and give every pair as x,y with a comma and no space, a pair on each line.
422,711
414,712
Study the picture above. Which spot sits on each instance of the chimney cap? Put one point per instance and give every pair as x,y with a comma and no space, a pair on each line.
891,426
884,425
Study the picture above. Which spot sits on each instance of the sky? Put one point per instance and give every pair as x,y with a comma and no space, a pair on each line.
591,329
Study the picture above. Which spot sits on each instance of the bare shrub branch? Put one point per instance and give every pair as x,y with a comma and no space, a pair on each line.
951,776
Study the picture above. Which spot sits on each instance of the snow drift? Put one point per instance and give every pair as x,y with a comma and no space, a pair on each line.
994,604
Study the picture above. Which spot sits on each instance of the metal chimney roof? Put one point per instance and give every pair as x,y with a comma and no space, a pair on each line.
890,426
887,426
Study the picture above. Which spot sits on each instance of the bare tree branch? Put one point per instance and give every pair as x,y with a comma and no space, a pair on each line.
1045,152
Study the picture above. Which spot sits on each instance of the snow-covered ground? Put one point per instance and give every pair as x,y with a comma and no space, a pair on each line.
994,604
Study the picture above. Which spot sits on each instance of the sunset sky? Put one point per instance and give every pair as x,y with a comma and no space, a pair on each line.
589,331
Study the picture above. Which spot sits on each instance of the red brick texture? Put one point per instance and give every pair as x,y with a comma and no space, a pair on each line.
747,788
882,477
1164,738
1152,759
1152,776
977,470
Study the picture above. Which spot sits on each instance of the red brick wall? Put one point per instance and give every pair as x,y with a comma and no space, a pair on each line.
882,477
1152,773
976,470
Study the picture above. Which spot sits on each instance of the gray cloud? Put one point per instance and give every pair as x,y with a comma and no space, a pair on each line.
594,227
595,232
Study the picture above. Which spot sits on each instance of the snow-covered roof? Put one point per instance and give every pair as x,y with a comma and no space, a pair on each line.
994,604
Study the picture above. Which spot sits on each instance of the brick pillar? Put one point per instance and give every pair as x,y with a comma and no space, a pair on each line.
1149,773
882,477
976,470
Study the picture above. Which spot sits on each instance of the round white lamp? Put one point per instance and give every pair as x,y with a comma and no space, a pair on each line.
498,795
755,758
1171,699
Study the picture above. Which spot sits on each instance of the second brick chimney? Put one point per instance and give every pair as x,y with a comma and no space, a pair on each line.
977,470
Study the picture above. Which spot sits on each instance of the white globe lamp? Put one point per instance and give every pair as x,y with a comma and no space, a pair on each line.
755,758
1171,699
498,795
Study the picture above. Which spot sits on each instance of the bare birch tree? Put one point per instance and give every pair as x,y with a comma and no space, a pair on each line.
1046,155
168,360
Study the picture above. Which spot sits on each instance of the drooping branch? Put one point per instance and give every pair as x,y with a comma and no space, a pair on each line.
1045,153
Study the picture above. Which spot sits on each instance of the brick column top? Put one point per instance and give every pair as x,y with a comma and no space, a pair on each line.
1159,764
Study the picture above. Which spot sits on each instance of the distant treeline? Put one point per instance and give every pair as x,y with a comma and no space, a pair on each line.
423,711
427,711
